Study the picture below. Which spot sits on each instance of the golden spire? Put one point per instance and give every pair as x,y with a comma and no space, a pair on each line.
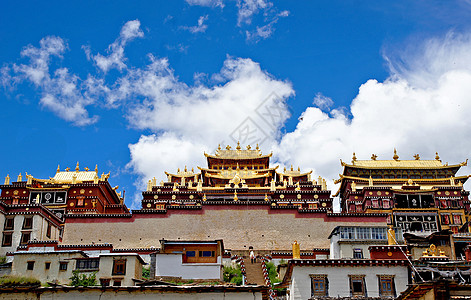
58,168
235,196
354,158
299,169
395,156
96,169
374,156
186,169
436,156
219,147
178,170
20,178
257,148
77,167
7,179
417,156
238,146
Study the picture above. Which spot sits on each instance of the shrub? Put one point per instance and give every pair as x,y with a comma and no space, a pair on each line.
145,273
232,274
79,279
18,281
271,268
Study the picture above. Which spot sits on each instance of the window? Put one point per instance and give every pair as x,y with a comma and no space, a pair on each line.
206,254
119,267
190,253
47,265
28,223
116,282
363,233
386,203
357,253
457,219
386,286
30,265
63,265
88,264
105,281
357,285
9,224
48,231
7,239
445,219
79,201
25,237
378,233
319,285
347,233
375,203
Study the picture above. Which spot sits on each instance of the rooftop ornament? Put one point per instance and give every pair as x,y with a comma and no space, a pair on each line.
374,156
395,156
437,157
7,179
354,158
417,156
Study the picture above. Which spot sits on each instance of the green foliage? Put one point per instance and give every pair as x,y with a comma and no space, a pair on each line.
271,268
16,281
145,273
283,262
79,279
232,274
3,259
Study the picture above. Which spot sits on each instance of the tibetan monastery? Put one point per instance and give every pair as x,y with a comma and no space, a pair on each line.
419,196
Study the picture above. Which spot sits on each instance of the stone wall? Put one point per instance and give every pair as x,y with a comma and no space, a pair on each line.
238,226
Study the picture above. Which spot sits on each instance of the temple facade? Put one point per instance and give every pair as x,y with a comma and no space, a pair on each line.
418,196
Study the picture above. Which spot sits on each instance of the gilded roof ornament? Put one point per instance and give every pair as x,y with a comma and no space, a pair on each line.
249,147
219,147
96,169
374,156
257,148
395,156
235,196
67,169
20,178
354,158
416,157
228,147
238,145
58,169
7,179
77,167
437,157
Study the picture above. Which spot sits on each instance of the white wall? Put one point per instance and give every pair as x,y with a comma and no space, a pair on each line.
171,265
339,282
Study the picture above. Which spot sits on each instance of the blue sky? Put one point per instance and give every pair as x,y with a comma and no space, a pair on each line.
143,87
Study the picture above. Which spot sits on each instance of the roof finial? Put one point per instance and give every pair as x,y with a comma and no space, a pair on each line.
257,148
96,169
417,156
20,178
395,156
436,156
238,145
228,147
291,167
186,170
58,168
219,147
7,179
77,167
374,156
249,147
354,158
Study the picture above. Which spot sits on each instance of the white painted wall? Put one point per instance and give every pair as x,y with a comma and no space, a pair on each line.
339,282
171,265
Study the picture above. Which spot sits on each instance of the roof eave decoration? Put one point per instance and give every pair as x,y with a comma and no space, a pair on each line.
238,153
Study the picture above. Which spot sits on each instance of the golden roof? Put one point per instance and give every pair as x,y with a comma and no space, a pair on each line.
238,153
66,177
400,164
420,180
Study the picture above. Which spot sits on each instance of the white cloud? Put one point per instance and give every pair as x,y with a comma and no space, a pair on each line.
61,92
188,120
248,8
206,2
115,57
421,108
323,102
201,27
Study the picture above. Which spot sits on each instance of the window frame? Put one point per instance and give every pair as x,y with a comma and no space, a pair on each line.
354,279
62,264
24,240
10,234
323,281
30,265
119,266
27,223
386,279
358,253
7,226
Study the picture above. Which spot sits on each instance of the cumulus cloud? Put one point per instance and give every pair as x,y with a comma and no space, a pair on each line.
201,27
246,104
323,102
115,57
61,91
422,107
